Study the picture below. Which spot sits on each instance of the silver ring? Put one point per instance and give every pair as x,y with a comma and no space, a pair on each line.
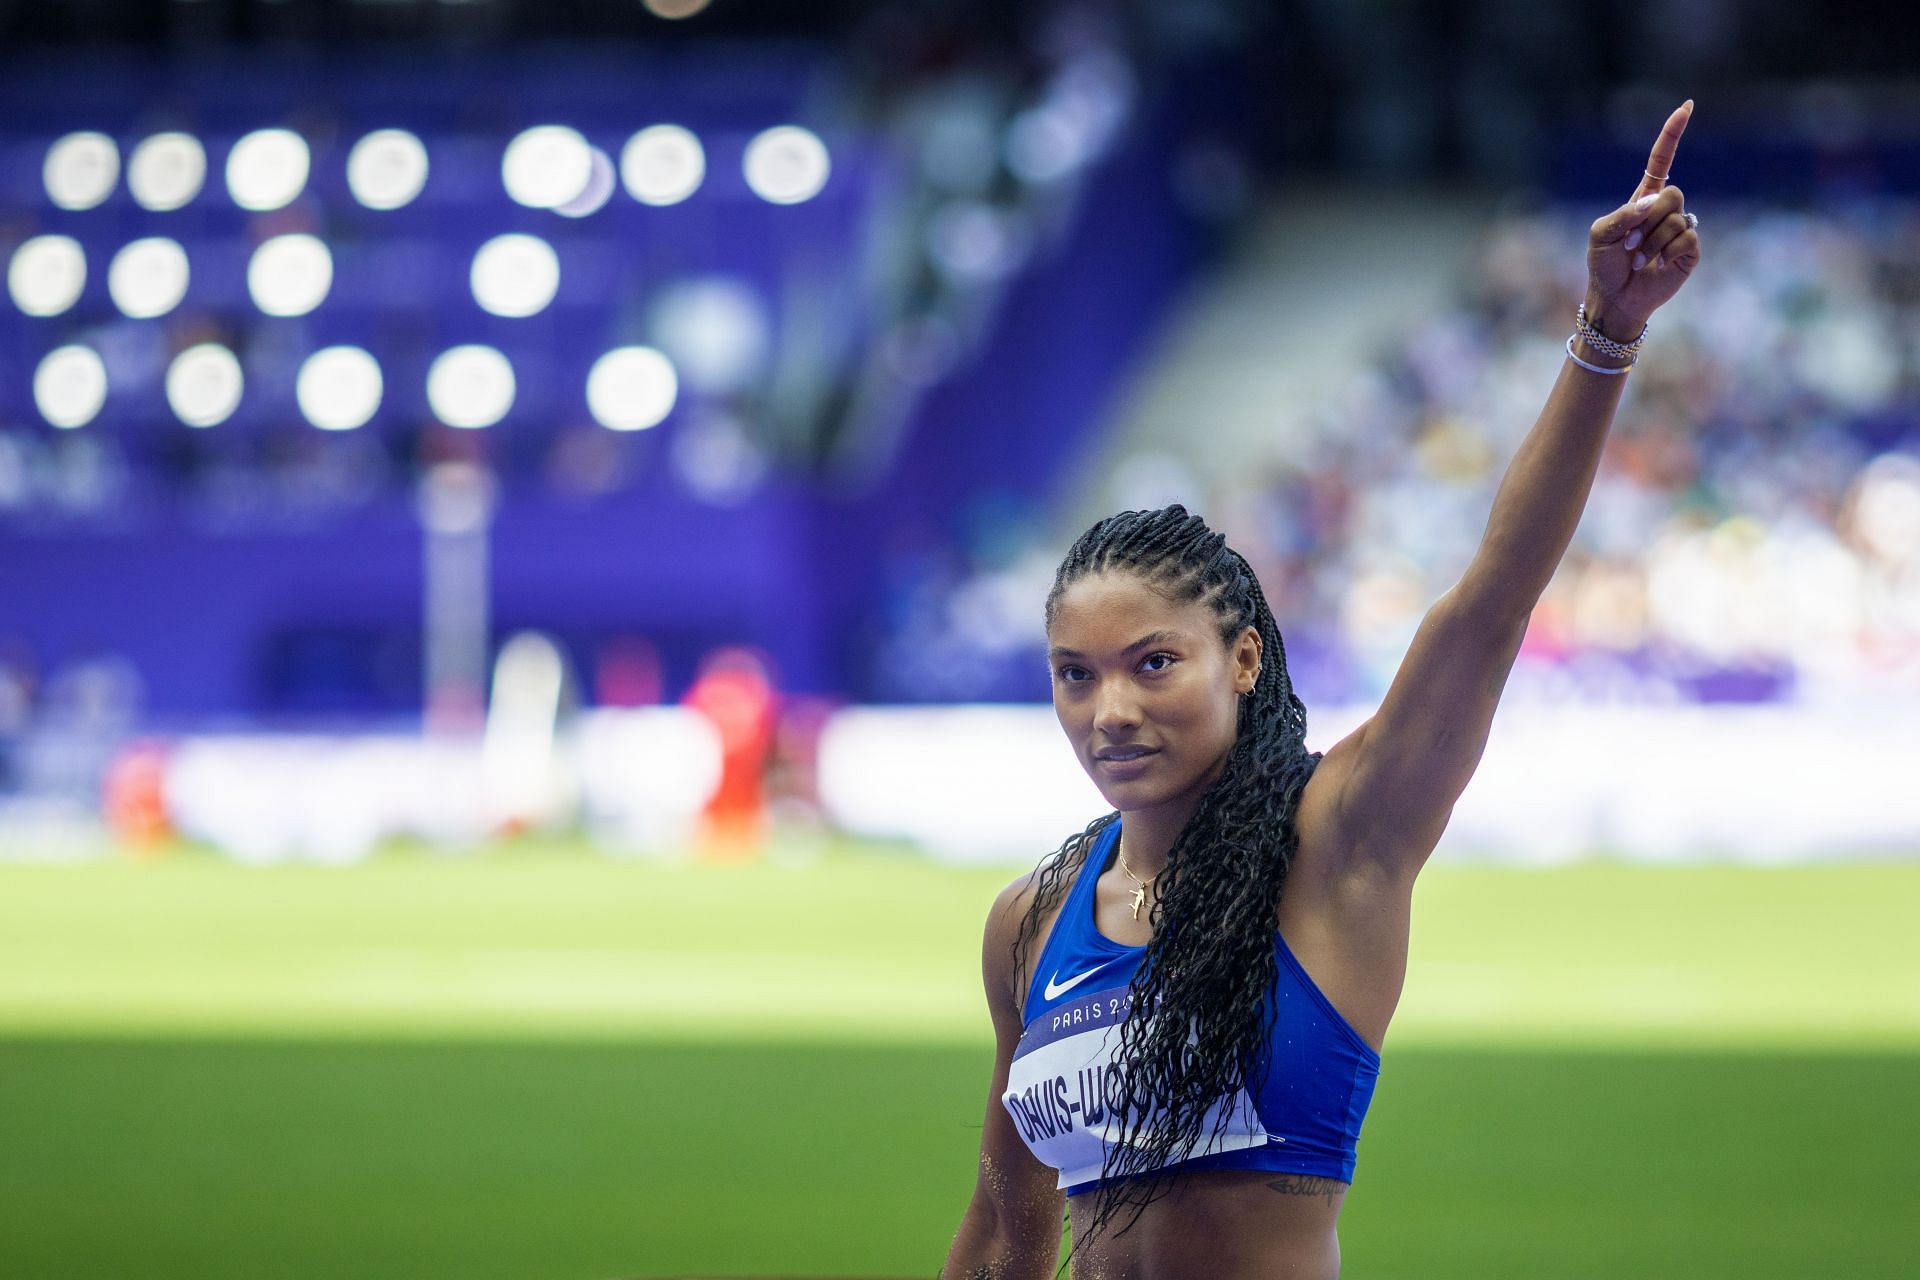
1693,220
1651,174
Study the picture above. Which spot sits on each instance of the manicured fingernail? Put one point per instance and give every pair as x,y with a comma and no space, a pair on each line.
1633,238
1639,261
1642,203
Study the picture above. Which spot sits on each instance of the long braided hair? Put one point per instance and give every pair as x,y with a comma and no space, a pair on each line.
1210,965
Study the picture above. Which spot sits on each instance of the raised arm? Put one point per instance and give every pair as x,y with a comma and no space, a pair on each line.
1414,757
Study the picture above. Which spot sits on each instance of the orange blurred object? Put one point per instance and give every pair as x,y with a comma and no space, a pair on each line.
133,795
734,693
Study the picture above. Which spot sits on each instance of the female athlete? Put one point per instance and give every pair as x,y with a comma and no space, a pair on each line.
1208,1063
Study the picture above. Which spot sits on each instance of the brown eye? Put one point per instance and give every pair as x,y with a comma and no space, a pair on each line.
1169,657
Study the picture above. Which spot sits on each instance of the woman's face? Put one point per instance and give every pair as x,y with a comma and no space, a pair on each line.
1130,671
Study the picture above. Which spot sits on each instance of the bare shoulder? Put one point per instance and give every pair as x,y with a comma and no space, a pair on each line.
1013,902
1010,907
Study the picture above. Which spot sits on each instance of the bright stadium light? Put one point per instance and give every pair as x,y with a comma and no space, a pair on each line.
267,169
470,386
546,166
515,275
675,8
339,388
289,275
81,169
47,274
716,332
148,277
599,189
203,385
631,388
387,168
786,164
166,170
70,386
662,165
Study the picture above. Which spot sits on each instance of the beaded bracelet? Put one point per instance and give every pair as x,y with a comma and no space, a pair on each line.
1602,343
1597,368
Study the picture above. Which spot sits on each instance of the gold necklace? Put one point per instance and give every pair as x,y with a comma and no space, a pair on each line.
1139,894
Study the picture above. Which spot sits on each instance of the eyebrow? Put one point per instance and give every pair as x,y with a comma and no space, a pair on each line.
1152,637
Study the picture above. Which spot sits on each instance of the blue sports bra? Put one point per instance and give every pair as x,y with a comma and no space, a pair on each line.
1306,1119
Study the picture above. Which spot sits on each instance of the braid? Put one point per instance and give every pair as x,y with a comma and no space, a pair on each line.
1209,967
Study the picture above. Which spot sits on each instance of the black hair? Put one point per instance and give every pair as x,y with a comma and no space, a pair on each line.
1209,967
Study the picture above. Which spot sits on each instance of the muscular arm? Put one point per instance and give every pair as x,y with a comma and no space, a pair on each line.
1394,791
1012,1226
1418,751
1545,489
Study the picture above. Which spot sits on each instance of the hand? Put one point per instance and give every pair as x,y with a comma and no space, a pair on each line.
1638,258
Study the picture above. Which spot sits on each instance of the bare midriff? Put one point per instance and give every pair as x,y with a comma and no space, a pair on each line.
1216,1224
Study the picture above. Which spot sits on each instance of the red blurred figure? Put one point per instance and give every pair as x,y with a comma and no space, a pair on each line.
133,795
735,694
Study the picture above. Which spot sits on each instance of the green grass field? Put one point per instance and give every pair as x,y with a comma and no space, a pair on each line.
541,1063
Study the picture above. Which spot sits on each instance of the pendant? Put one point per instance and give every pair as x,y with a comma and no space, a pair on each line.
1139,897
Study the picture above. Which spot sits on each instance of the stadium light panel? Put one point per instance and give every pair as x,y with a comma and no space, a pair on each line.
470,386
715,330
81,170
46,275
339,388
148,277
631,388
387,169
662,165
515,275
787,164
546,166
166,171
599,189
267,169
204,385
289,275
70,386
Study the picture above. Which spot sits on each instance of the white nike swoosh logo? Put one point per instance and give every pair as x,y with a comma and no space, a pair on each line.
1054,991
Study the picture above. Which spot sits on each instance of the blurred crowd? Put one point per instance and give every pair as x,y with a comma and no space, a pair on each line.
1753,533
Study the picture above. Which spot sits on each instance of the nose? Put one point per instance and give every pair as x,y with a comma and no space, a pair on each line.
1115,713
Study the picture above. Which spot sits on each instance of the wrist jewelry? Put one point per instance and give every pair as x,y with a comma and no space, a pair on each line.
1597,368
1601,342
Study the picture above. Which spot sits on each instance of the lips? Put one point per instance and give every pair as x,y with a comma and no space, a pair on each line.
1124,755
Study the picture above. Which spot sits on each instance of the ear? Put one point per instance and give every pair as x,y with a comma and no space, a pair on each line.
1246,660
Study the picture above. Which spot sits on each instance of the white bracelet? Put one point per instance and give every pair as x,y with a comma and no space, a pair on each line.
1597,368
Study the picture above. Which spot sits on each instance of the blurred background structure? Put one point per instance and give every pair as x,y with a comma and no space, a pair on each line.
464,438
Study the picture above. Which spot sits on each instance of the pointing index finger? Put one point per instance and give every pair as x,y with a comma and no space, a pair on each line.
1660,162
